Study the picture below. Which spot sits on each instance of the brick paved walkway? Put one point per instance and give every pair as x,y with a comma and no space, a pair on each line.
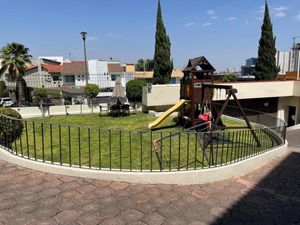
268,195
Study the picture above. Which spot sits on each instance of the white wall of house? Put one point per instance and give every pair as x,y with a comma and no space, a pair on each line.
287,92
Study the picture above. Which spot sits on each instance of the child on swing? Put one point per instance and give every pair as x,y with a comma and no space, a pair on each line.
206,117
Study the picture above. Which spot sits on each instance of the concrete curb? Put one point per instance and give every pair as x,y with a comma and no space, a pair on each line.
181,177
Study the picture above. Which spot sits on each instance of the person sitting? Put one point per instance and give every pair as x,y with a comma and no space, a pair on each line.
206,118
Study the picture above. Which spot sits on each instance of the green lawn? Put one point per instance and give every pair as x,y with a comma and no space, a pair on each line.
110,142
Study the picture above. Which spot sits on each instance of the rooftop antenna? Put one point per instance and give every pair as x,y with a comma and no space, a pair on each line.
70,56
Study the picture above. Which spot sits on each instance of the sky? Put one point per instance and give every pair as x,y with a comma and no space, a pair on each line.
225,32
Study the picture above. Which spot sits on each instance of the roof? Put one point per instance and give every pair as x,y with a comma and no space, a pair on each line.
74,68
30,67
52,68
200,61
149,74
114,68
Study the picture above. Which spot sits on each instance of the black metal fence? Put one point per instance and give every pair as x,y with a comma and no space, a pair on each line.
90,147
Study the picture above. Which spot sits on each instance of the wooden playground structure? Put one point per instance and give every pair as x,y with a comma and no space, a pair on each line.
196,101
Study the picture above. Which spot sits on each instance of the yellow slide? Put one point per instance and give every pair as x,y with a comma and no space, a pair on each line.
177,106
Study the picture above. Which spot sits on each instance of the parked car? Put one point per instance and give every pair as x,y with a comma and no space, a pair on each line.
6,102
20,104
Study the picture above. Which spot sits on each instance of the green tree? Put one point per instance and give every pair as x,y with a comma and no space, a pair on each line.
39,95
140,65
163,65
91,91
2,89
134,90
265,68
149,64
15,57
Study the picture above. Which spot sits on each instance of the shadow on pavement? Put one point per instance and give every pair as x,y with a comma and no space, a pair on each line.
274,200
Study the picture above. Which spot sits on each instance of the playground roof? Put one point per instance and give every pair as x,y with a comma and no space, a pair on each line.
200,61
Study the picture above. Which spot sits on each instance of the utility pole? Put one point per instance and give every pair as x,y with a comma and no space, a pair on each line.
83,34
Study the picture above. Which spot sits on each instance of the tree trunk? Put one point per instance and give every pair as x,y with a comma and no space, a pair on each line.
21,89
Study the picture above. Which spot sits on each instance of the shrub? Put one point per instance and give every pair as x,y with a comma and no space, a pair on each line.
56,95
11,129
91,90
38,95
229,78
134,90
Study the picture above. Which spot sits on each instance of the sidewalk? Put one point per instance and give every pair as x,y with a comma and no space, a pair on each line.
268,195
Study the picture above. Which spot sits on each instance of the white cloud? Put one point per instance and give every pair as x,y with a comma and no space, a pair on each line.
279,11
206,24
279,14
93,38
232,18
211,12
214,17
190,24
298,16
280,8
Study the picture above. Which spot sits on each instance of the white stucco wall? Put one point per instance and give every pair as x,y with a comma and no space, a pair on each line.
170,94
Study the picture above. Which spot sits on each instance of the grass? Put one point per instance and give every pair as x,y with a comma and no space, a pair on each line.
110,142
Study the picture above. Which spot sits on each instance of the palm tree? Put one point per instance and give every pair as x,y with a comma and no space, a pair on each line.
15,57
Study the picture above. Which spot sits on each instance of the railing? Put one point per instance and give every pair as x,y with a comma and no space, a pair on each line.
121,150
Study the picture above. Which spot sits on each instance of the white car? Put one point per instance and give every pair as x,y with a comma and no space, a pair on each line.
6,102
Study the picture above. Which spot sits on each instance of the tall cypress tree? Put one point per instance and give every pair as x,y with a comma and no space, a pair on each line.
163,64
265,68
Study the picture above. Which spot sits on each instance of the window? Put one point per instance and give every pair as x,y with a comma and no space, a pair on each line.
114,76
70,79
56,77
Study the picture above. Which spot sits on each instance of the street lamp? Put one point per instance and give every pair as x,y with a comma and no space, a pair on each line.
83,34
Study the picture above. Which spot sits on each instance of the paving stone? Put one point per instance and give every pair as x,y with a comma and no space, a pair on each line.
48,221
197,223
86,189
146,207
200,194
168,211
68,186
90,219
217,211
50,192
118,185
110,211
160,201
26,208
131,215
140,197
67,204
154,219
67,216
114,221
21,219
45,212
126,203
8,203
48,202
90,207
175,221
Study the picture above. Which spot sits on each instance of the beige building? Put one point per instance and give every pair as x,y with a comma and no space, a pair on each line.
148,75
